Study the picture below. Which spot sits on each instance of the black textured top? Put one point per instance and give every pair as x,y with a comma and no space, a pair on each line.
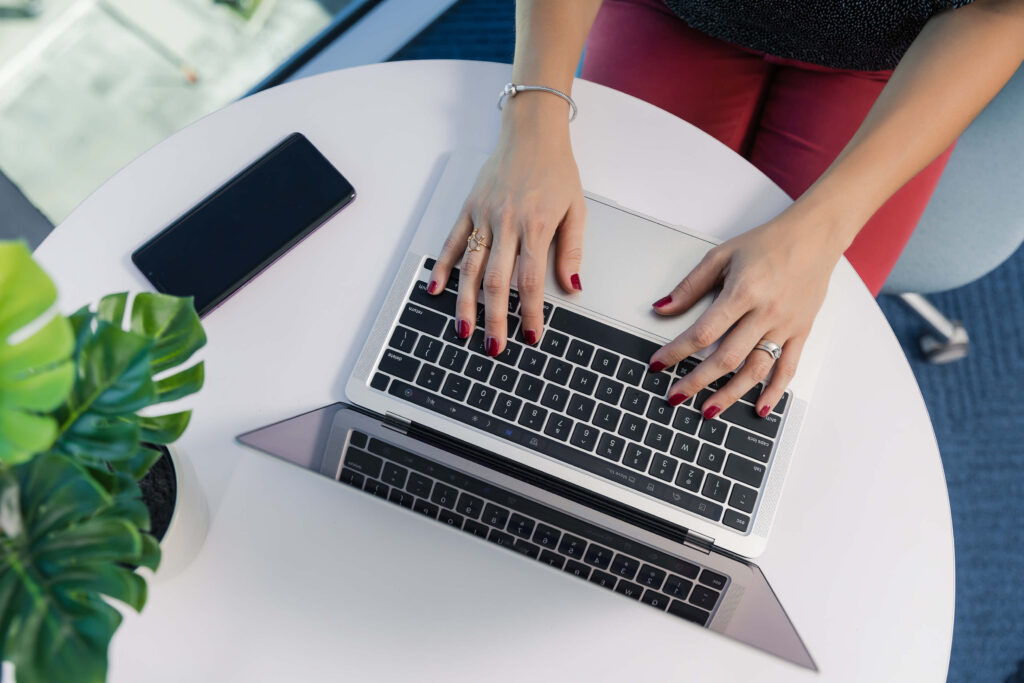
844,34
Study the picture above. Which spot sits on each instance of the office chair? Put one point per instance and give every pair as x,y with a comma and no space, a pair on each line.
974,222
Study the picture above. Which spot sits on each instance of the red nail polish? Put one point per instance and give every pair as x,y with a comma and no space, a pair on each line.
663,301
575,279
463,329
530,336
491,346
711,412
764,411
657,366
432,287
676,399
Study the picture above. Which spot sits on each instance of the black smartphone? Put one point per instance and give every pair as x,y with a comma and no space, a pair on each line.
245,225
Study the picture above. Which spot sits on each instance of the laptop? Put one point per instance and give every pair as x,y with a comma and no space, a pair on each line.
567,452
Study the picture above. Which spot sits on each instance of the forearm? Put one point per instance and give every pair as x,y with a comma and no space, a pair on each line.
953,69
549,41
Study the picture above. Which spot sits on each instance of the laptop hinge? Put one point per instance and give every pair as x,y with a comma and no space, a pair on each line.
396,423
698,541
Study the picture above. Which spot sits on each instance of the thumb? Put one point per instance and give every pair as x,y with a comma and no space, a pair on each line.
570,246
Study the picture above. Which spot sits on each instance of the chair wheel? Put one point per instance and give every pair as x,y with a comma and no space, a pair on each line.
938,352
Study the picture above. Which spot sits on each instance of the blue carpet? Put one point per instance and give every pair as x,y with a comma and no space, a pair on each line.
973,405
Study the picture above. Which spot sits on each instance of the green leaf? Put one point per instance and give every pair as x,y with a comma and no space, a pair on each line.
72,551
165,428
35,375
140,463
111,308
181,384
172,323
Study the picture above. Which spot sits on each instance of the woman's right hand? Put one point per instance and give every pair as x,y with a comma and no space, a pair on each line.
527,192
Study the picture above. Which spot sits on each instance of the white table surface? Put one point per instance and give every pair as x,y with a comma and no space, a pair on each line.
284,586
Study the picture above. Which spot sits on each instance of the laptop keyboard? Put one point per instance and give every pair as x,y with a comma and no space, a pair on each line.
537,531
584,396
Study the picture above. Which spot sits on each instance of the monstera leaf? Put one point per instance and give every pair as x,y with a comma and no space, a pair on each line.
120,372
35,372
64,545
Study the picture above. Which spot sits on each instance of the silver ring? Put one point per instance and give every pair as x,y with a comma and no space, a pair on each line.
771,348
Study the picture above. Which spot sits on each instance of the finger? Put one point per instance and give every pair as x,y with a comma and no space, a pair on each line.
532,273
755,368
735,347
701,280
569,256
471,272
496,283
782,375
705,331
450,254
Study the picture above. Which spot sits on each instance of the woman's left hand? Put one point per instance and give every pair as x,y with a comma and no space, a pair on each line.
774,279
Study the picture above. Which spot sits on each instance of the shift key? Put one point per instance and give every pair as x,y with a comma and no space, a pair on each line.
743,415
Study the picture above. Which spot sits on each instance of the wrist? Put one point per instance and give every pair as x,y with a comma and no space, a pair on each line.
826,222
536,113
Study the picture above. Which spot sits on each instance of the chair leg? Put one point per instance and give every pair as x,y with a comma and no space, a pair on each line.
946,340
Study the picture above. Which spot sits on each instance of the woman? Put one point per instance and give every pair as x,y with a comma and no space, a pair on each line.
805,90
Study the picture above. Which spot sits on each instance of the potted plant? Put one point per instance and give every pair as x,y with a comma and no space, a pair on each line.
75,439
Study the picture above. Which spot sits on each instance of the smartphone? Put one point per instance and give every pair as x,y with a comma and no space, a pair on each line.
245,225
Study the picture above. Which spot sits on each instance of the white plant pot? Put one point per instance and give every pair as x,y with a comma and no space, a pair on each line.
189,521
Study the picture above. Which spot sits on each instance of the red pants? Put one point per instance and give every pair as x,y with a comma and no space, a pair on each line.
790,119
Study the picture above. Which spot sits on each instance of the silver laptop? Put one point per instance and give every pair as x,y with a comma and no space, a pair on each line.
566,452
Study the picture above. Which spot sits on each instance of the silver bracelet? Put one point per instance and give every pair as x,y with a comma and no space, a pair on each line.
513,89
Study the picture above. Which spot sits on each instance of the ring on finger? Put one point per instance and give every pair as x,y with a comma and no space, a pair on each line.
476,241
769,347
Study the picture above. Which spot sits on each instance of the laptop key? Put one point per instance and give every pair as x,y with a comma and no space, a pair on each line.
476,528
603,579
688,612
422,319
554,343
598,556
584,437
529,388
651,577
504,378
532,417
453,358
660,410
444,495
629,589
479,368
546,536
572,546
611,447
501,538
424,508
743,415
399,365
657,382
469,505
481,397
655,599
605,362
780,407
357,439
580,407
394,475
747,471
583,381
690,477
451,334
443,302
558,427
419,485
577,569
712,431
602,335
351,477
658,438
451,518
704,597
711,457
379,381
631,372
632,427
579,352
609,391
555,397
716,488
634,400
742,498
495,516
403,339
713,579
636,457
664,467
607,417
684,447
532,361
401,497
557,371
520,526
430,377
428,349
555,560
455,387
510,354
363,462
625,566
686,420
748,444
507,407
737,521
526,548
678,587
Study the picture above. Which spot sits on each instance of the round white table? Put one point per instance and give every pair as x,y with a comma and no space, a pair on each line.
861,555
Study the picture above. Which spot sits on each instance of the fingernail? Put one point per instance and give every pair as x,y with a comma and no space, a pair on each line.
663,301
432,287
764,411
463,329
530,336
575,279
657,366
491,346
676,399
711,412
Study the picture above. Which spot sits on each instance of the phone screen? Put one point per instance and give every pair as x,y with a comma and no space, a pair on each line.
233,234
